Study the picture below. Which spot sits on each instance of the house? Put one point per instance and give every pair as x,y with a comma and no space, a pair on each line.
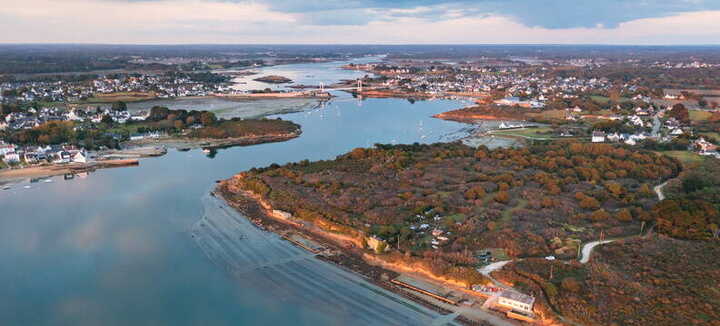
704,146
30,158
637,121
598,137
677,132
615,137
517,301
12,157
62,156
80,157
6,148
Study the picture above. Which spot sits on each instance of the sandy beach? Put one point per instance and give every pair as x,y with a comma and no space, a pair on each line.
15,175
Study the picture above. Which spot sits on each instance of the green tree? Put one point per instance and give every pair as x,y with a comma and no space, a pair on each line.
119,106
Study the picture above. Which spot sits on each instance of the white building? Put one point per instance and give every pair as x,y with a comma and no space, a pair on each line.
598,137
6,148
11,158
80,157
516,301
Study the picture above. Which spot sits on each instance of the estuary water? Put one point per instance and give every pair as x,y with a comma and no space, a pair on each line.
117,247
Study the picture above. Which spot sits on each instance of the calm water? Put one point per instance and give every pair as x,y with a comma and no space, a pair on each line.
114,248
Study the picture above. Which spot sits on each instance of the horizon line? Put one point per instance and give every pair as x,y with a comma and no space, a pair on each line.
362,44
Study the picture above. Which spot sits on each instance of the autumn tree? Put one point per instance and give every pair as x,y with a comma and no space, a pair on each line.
502,197
623,215
208,119
599,215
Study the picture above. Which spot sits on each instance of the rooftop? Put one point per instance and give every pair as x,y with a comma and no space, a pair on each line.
517,296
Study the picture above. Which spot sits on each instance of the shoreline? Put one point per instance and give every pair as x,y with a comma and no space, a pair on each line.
230,97
351,257
135,150
192,143
17,175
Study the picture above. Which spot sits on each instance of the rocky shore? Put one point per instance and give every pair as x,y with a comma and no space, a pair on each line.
347,251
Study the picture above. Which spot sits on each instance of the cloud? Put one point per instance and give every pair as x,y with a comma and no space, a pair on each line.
361,21
551,14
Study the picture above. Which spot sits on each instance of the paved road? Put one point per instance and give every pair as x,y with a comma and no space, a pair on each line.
264,260
656,126
658,191
588,248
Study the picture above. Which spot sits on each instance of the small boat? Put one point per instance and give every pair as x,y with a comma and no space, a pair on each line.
27,187
48,180
6,188
206,151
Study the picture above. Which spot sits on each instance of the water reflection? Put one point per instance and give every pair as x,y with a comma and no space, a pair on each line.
115,248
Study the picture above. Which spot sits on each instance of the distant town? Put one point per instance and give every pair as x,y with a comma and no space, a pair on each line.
559,152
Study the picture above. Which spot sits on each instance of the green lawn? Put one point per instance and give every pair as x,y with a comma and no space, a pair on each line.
686,157
535,133
605,99
715,135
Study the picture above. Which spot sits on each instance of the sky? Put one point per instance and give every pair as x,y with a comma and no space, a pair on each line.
641,22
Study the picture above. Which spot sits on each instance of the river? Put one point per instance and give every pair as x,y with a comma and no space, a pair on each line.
117,248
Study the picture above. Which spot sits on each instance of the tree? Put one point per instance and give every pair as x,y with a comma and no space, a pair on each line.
107,119
702,103
599,215
615,189
476,192
158,113
589,203
502,197
680,112
179,124
119,106
571,284
624,215
208,119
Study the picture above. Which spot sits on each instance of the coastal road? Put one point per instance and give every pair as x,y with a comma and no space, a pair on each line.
264,260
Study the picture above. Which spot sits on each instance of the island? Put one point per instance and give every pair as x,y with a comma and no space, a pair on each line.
273,79
201,129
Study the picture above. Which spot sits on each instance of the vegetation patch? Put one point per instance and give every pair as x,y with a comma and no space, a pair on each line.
446,201
659,281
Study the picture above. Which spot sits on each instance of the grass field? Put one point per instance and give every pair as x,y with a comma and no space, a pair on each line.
549,115
699,115
715,135
117,97
129,128
533,133
686,157
605,99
